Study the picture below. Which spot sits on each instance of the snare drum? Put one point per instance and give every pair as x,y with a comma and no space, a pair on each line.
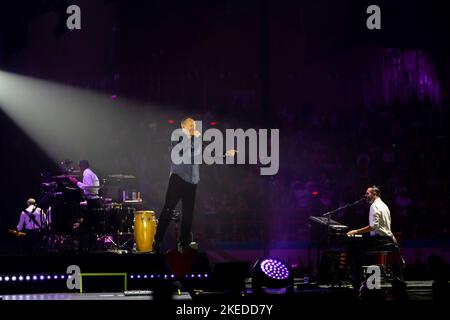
144,230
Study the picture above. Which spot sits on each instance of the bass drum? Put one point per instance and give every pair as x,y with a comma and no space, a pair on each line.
145,223
121,220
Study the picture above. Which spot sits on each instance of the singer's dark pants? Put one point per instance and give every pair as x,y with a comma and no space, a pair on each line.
178,190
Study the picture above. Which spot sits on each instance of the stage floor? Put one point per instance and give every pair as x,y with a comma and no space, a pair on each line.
88,296
416,291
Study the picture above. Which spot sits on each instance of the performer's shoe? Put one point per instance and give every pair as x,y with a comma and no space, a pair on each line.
192,247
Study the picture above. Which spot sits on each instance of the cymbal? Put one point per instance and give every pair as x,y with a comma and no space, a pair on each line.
121,176
64,176
133,201
48,184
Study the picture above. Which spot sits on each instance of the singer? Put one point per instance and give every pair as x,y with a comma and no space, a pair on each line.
183,181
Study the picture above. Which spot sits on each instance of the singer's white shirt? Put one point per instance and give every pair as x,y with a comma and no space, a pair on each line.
380,219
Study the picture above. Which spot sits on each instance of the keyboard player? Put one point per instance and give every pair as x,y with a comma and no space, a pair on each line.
379,228
379,219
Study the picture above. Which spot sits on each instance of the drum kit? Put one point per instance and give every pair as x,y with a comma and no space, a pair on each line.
121,224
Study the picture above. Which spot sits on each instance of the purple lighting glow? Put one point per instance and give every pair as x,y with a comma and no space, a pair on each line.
275,269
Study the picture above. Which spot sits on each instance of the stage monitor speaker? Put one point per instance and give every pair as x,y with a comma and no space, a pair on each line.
229,277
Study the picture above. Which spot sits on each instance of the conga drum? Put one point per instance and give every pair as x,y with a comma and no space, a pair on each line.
144,230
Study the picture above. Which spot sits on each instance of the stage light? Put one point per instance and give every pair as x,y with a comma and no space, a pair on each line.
213,123
275,269
35,277
41,277
6,279
55,277
1,279
271,273
13,278
20,278
315,193
170,121
27,278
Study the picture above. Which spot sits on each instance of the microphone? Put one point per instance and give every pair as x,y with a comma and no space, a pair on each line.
357,201
327,214
197,133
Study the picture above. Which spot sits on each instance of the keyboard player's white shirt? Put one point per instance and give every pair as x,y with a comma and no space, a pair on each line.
380,219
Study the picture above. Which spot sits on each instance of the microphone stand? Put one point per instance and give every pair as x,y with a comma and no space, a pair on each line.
329,213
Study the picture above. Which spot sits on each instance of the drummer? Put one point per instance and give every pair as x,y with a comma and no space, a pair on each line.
90,185
90,223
